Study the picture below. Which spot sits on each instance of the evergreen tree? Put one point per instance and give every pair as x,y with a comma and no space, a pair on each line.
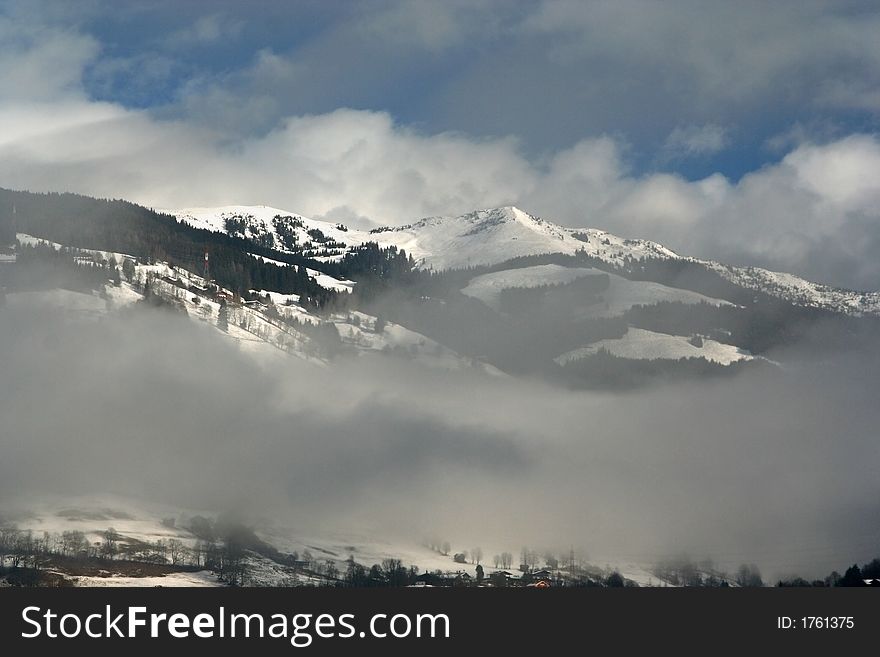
615,580
223,317
852,577
128,269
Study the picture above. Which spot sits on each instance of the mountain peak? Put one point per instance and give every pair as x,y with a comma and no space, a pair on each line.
510,212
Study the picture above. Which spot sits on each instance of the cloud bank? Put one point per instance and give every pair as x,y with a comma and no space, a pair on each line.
773,467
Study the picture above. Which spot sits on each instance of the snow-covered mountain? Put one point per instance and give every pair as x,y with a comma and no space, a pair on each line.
512,291
483,237
493,236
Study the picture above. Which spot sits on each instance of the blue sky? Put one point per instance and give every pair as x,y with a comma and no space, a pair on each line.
714,127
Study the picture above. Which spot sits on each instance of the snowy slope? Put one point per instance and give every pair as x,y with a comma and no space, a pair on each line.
280,229
256,332
357,329
799,291
639,344
487,288
255,328
79,305
93,514
148,523
487,237
322,279
621,295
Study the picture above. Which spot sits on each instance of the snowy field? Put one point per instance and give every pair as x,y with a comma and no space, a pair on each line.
77,304
621,295
639,344
201,578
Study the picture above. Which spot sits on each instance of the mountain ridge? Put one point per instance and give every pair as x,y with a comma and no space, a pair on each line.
492,236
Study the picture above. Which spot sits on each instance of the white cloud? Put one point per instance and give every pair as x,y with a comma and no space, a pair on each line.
692,140
207,29
41,63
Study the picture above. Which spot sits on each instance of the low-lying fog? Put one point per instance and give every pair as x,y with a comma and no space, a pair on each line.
777,468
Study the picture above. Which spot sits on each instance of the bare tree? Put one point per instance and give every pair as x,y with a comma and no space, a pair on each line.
532,559
73,543
176,550
111,539
477,555
749,575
